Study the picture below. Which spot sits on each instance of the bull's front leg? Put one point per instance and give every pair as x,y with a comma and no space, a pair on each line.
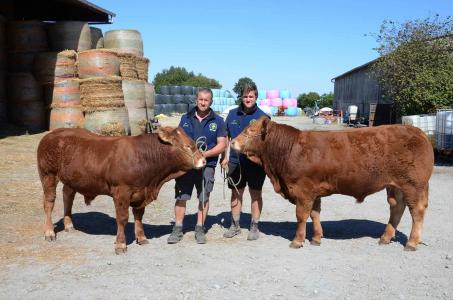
140,237
303,209
122,200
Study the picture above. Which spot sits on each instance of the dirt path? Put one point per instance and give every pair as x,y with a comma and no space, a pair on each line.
348,264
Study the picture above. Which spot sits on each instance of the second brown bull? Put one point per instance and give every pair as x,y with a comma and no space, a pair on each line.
304,166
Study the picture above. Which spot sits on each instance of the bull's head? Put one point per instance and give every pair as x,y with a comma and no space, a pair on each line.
183,145
251,140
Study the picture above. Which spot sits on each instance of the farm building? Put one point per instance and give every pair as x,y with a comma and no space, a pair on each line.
356,87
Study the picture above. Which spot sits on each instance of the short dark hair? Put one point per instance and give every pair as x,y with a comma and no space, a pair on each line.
205,90
249,87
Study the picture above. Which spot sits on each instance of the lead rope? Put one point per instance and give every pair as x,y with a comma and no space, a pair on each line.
202,146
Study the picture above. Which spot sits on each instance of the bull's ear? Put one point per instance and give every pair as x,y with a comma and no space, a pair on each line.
166,134
264,127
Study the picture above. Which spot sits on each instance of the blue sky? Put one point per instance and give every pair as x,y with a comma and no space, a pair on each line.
296,45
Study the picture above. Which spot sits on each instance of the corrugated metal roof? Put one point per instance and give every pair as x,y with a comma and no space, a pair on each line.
355,69
55,10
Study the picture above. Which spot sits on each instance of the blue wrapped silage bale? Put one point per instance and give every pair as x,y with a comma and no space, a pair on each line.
228,94
215,100
291,111
258,102
261,94
215,92
273,110
285,94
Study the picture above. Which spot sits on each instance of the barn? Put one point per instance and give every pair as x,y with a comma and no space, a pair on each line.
356,87
17,50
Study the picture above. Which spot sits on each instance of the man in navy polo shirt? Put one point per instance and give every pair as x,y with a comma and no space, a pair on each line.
242,170
207,129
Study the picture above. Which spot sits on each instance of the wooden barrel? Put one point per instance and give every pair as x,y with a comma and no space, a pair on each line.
21,62
55,66
137,120
65,93
134,93
125,41
98,63
96,36
29,115
108,122
72,35
141,64
26,36
23,88
66,117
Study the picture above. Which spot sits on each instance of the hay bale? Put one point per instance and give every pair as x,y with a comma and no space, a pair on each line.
113,129
101,93
141,64
52,67
128,68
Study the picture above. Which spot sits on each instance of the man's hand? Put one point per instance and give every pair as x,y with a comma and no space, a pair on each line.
224,162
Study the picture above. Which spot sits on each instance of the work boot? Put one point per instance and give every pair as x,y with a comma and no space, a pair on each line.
233,230
254,233
200,236
176,235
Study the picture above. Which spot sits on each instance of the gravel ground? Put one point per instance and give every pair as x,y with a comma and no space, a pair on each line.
348,265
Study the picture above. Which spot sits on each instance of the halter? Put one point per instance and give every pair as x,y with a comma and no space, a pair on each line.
248,136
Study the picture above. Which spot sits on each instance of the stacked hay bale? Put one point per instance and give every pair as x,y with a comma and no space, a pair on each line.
138,93
57,73
25,39
101,92
3,114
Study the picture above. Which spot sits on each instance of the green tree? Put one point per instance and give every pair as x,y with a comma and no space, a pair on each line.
326,100
239,86
180,76
415,67
307,100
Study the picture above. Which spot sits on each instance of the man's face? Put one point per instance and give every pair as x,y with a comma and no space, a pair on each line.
204,101
249,99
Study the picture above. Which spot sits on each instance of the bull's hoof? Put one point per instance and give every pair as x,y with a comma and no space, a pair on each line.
410,248
120,248
69,228
295,245
315,243
50,236
383,241
142,242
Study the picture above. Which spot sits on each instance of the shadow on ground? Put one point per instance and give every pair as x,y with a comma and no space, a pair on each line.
96,223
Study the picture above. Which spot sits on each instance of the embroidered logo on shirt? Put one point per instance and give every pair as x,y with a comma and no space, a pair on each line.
252,121
234,122
185,124
213,127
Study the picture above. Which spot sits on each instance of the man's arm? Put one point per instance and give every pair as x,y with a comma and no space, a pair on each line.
219,148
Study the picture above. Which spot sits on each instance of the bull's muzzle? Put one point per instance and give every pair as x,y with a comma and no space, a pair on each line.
235,145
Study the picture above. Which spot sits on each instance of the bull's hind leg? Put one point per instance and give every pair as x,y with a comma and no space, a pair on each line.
140,237
315,216
397,207
68,199
49,185
121,198
417,202
303,209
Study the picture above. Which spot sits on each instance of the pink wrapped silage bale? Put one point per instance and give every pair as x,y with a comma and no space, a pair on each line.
289,102
266,102
276,102
272,94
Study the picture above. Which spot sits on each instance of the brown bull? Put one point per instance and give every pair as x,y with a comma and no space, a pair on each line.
304,166
130,169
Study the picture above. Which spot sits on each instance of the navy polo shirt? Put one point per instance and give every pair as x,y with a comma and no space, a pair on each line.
236,121
211,128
